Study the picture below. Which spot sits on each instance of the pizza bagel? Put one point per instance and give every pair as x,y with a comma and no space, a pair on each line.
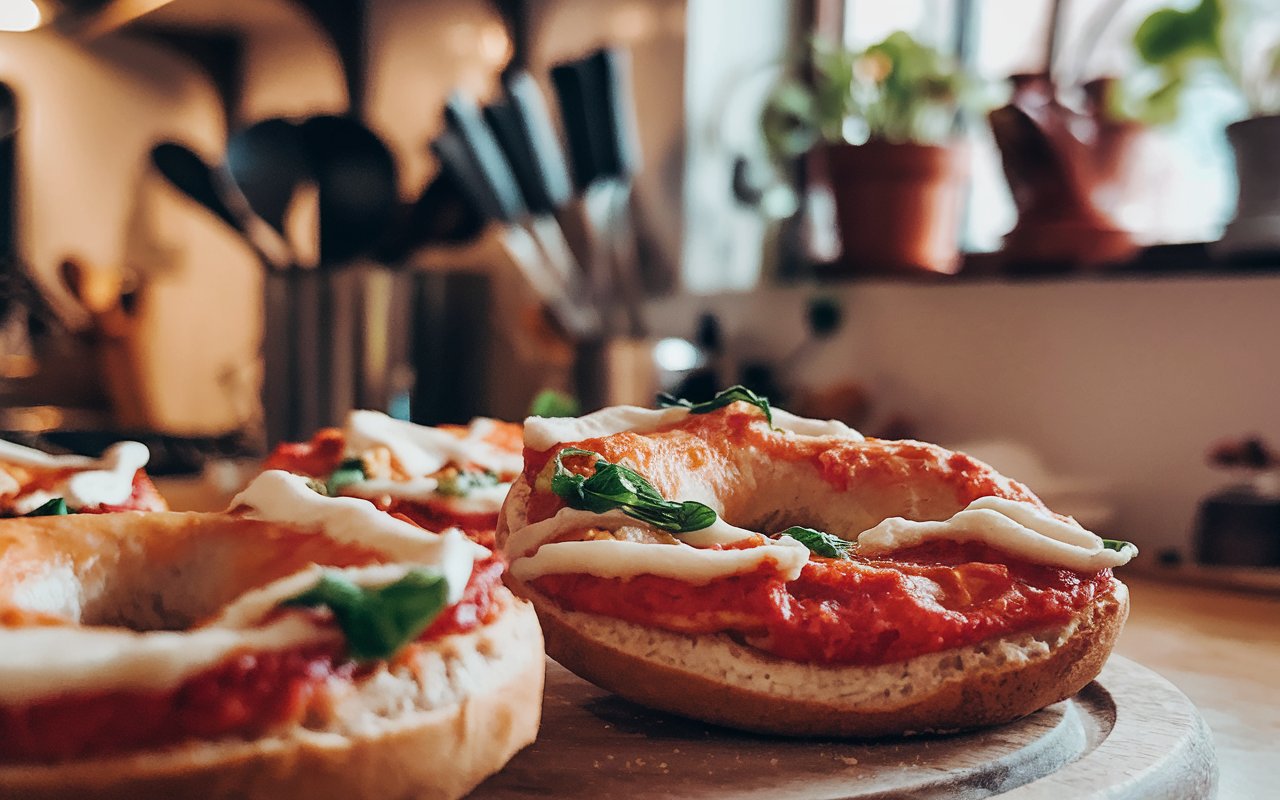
295,646
438,477
736,564
36,483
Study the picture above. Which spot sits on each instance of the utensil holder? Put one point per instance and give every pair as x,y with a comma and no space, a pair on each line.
334,339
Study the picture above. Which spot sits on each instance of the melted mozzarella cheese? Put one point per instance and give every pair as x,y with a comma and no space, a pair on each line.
1014,527
614,559
102,481
41,661
543,433
533,553
278,496
422,450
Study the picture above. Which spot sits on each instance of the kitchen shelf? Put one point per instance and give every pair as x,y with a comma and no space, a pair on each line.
1157,262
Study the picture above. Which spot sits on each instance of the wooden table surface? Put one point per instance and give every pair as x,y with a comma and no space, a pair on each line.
1222,649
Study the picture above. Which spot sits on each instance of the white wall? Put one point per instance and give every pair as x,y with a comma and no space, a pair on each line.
1128,381
88,116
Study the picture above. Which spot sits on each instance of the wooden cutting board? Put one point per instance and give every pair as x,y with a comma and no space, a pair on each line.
1129,734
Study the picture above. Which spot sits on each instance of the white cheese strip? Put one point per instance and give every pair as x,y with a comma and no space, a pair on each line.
102,481
818,428
533,553
1010,526
541,433
544,433
614,559
42,661
422,450
278,496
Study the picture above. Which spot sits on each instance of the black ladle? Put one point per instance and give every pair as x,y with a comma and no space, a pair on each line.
216,192
356,177
268,161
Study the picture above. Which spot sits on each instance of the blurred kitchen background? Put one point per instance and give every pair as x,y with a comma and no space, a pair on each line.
1044,232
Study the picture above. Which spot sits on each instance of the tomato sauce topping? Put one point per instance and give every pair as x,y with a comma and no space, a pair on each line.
316,458
857,612
245,696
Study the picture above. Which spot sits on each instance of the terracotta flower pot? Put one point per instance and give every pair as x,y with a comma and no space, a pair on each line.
1255,230
897,206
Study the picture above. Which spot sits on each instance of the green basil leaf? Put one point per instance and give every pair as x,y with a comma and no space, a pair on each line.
53,508
348,472
552,403
464,482
819,543
731,395
378,621
614,486
1118,545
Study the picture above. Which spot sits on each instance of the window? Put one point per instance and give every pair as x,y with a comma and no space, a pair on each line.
1182,185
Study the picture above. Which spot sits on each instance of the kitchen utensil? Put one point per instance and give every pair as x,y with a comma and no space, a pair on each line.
9,263
595,108
356,179
268,161
620,161
465,118
523,128
582,123
8,175
480,171
440,215
213,188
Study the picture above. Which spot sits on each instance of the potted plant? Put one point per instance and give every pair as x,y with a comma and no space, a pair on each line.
878,125
1231,40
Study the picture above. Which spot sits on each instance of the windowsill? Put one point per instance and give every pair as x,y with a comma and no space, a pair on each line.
1152,263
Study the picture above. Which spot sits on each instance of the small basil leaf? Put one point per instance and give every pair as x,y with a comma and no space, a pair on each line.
348,472
819,543
53,508
729,396
464,482
614,486
378,621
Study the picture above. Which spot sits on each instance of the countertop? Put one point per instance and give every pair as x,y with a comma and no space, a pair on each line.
1222,649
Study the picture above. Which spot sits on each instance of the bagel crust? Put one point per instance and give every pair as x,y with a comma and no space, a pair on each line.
440,752
715,679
